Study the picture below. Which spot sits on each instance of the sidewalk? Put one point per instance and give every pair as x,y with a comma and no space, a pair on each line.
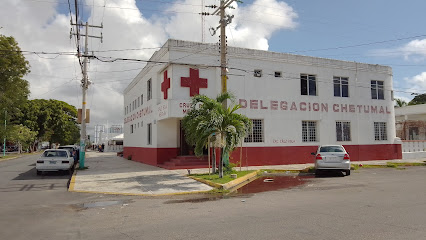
110,174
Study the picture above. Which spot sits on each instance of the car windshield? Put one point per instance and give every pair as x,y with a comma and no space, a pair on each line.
55,154
331,149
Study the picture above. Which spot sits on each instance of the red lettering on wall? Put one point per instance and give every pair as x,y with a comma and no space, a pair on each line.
359,108
382,110
387,111
302,106
293,106
274,105
243,103
366,109
261,105
351,108
324,107
283,105
373,109
343,108
316,107
335,107
253,104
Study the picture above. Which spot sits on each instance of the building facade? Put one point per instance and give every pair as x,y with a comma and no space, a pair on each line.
295,102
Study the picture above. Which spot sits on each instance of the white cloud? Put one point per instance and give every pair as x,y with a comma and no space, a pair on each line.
40,26
414,51
417,82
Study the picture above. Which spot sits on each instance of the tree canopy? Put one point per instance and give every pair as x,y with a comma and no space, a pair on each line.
54,120
14,90
207,117
418,99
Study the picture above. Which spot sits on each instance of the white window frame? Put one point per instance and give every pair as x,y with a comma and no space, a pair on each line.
380,131
377,89
309,81
309,131
340,82
256,133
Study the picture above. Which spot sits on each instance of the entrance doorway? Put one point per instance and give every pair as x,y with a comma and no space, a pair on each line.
185,148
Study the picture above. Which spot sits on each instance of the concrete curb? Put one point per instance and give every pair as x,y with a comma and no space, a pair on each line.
247,178
211,184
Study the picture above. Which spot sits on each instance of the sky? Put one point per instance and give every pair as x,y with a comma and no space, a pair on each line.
386,32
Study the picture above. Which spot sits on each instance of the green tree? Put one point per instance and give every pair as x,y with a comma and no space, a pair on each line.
14,90
418,99
400,103
22,136
53,120
207,117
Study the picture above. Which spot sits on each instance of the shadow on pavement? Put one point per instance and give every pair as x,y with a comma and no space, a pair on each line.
32,175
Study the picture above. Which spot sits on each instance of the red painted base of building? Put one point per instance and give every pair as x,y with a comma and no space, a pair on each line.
262,156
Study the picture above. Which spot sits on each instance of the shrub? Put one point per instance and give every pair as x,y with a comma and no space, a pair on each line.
228,169
129,157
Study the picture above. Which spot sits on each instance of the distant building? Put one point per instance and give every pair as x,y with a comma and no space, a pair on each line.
295,102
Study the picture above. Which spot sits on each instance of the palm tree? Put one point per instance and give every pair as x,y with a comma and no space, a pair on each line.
400,102
207,117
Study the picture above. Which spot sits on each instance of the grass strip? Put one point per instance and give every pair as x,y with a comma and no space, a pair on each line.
215,177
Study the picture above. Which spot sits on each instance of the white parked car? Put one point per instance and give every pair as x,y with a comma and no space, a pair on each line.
55,160
332,157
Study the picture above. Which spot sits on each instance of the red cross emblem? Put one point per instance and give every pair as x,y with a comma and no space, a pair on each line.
165,85
194,82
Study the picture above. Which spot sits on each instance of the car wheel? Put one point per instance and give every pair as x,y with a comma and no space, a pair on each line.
318,172
38,172
348,172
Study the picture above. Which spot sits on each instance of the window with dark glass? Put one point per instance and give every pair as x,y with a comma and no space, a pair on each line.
308,84
377,89
149,90
343,131
341,86
149,133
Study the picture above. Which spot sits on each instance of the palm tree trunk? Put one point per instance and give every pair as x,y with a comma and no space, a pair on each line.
214,161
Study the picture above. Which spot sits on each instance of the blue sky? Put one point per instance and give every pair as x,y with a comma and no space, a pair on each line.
369,31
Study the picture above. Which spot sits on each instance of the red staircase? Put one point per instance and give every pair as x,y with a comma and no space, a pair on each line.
186,162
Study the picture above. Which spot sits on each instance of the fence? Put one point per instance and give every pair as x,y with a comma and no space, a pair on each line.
114,148
413,149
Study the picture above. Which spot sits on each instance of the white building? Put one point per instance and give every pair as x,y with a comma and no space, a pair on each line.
296,103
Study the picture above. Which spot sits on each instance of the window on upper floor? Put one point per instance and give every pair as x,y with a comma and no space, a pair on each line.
308,84
377,89
341,86
278,74
258,73
149,90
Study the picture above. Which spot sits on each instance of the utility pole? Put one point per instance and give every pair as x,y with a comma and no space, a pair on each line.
84,85
224,21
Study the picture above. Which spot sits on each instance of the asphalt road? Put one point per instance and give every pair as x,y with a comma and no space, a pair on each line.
369,204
